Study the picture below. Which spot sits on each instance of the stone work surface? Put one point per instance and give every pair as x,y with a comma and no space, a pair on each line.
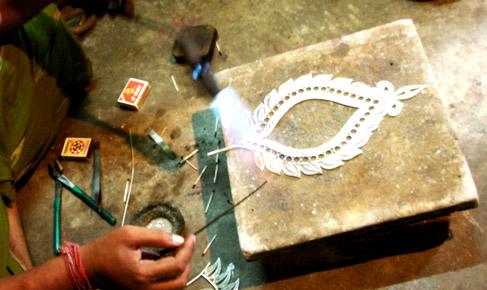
411,166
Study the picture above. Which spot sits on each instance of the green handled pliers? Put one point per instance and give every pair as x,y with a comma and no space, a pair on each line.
58,189
57,175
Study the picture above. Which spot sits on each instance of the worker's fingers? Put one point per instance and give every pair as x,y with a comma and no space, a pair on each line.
178,283
140,237
172,266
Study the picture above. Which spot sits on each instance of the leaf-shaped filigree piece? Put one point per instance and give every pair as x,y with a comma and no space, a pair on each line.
311,168
331,162
371,103
218,279
259,160
291,169
350,153
273,164
408,92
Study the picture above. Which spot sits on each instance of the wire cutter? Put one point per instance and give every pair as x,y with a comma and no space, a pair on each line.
58,189
56,174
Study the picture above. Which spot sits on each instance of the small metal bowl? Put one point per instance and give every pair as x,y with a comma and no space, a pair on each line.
161,216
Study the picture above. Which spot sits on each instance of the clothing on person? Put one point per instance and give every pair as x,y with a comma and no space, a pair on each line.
42,72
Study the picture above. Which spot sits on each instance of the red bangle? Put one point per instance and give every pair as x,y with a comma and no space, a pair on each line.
74,265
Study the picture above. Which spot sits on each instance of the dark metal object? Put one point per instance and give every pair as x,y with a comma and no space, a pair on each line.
204,38
191,49
57,204
230,208
162,144
79,193
160,210
96,181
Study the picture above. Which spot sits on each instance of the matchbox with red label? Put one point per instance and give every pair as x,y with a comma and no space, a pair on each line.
76,148
134,93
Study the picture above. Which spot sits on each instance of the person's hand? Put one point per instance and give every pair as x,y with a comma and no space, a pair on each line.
115,260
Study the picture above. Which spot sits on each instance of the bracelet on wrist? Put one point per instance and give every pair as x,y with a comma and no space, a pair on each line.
74,266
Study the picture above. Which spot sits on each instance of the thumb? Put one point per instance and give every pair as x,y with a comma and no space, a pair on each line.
140,237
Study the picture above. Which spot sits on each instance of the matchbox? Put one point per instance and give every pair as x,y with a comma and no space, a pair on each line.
76,148
134,93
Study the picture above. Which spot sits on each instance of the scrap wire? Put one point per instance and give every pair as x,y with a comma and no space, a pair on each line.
217,161
208,246
216,124
185,159
199,176
216,173
224,149
218,48
174,83
230,208
131,178
209,201
190,155
127,184
191,164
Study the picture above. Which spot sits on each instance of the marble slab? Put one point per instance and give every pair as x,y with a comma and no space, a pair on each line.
411,168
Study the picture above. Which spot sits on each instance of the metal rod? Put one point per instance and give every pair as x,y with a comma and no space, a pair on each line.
174,83
216,173
216,124
218,48
208,246
209,201
225,149
127,184
199,176
131,178
191,164
190,155
229,209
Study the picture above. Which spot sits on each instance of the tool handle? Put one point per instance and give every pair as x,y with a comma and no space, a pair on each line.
88,200
57,225
106,215
95,183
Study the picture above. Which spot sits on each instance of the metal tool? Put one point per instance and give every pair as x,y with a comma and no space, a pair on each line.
163,145
79,193
95,183
162,216
230,208
57,204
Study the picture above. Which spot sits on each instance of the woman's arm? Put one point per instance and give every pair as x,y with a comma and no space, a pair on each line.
115,260
16,239
50,275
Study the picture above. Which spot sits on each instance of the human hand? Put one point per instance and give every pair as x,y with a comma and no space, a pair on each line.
115,260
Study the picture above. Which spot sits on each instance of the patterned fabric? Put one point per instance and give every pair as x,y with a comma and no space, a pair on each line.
42,71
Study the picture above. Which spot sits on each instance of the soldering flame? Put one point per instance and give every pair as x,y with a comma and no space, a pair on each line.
233,115
234,118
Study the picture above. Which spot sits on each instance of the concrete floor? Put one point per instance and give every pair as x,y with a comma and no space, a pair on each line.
453,35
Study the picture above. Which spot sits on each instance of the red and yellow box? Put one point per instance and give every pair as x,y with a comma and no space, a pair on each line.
134,93
76,148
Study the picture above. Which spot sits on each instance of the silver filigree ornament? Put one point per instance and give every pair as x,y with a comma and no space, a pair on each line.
218,279
372,104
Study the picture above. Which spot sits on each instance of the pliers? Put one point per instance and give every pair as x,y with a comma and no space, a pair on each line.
56,173
58,189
